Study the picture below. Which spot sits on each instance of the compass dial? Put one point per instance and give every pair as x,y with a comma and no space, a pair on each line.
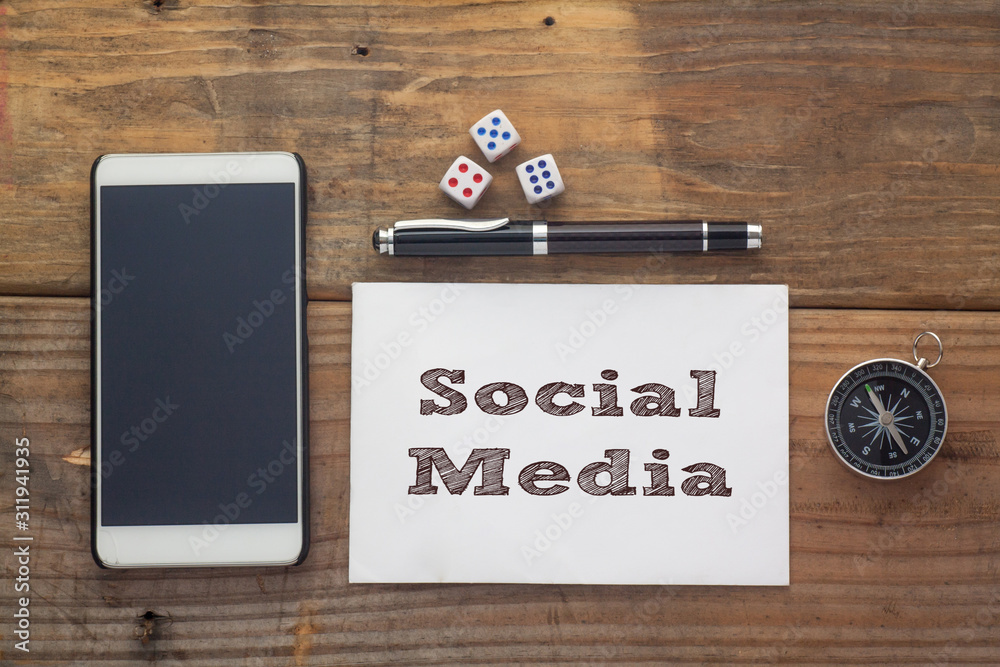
886,418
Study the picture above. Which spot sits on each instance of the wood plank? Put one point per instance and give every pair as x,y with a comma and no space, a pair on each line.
863,135
881,573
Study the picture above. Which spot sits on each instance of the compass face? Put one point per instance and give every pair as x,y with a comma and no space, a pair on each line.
886,419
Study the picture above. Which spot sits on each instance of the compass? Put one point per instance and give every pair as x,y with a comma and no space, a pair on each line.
886,418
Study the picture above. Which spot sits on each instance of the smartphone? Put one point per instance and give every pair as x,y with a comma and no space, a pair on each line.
199,406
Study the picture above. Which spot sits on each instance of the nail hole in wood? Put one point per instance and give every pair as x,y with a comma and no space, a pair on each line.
157,6
548,20
360,51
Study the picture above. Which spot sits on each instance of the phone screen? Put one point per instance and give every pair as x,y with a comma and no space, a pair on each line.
198,354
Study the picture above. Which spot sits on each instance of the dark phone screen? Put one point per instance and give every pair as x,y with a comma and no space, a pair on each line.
198,354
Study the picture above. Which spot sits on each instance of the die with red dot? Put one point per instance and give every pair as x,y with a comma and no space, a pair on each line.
495,135
540,178
465,182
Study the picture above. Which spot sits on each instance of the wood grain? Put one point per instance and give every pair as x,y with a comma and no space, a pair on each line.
905,572
863,135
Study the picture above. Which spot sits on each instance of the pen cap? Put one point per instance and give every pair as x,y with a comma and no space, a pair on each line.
510,239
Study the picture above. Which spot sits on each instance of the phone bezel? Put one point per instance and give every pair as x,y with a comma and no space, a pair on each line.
227,544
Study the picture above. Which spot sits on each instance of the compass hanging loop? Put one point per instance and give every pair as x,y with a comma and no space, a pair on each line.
921,362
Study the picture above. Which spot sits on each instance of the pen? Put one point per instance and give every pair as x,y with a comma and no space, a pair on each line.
501,236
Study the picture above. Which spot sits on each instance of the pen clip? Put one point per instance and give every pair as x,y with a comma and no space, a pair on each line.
458,225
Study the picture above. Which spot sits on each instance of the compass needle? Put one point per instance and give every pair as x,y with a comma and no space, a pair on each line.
871,412
897,437
886,418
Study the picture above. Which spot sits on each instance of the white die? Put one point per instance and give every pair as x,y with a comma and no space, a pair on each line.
540,178
465,181
495,135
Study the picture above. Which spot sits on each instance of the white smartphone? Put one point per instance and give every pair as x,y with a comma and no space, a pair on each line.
199,378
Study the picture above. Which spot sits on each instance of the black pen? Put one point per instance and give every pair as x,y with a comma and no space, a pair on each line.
501,236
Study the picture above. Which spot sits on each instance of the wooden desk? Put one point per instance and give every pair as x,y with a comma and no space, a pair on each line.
864,136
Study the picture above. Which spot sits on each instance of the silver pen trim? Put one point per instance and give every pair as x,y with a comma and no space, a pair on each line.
383,240
755,236
704,236
466,225
539,237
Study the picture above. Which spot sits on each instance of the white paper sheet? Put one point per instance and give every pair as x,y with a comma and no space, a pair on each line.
534,335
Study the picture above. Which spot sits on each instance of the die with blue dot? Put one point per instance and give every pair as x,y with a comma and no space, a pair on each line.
495,135
540,178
